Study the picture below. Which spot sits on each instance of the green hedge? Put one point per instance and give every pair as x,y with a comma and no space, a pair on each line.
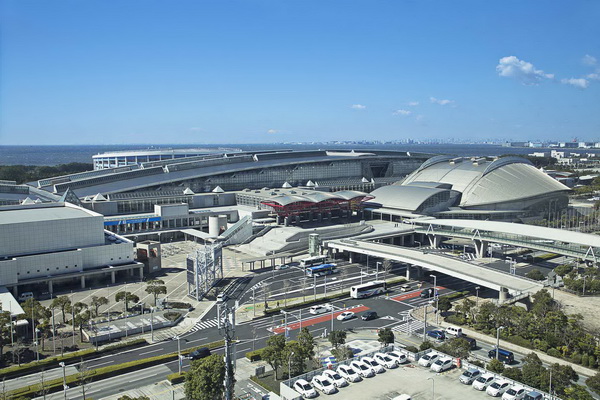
456,295
265,384
69,358
103,373
176,378
255,355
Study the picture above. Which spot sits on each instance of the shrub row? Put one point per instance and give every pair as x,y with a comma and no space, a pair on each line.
176,378
102,373
16,371
255,355
456,295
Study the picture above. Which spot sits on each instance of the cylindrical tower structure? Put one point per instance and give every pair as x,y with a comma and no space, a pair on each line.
217,224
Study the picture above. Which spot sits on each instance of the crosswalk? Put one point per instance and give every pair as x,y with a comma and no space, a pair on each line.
200,325
410,327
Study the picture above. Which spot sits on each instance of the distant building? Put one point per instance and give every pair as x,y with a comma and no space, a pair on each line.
116,159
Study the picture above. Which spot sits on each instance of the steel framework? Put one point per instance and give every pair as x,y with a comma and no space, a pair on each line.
204,269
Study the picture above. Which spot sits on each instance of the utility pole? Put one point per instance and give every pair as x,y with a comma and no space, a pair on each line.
226,325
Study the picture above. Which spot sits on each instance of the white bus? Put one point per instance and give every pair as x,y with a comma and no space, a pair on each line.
368,289
311,261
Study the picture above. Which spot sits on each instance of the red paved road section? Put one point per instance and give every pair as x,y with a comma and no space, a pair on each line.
412,295
317,320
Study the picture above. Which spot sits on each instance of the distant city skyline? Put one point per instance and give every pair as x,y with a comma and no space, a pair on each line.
266,71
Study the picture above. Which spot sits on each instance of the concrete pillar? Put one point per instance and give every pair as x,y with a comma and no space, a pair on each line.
350,257
141,273
502,295
419,272
50,287
279,220
113,277
481,247
402,240
83,282
433,241
319,217
286,221
310,216
408,272
15,290
297,218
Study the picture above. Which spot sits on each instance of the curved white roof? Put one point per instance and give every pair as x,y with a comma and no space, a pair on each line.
403,197
484,182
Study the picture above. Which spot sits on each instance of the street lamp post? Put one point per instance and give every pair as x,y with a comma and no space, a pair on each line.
290,365
152,323
437,299
377,270
178,354
315,286
432,388
477,294
253,302
37,350
498,340
65,387
331,317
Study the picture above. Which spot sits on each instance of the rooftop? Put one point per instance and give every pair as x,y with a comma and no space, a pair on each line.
42,212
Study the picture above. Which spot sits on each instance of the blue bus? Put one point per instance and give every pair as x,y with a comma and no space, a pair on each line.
321,270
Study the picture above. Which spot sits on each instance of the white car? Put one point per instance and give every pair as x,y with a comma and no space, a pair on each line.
483,381
515,392
375,366
334,377
398,357
362,369
345,315
348,373
303,387
442,364
323,384
385,360
428,359
405,288
498,387
320,309
283,266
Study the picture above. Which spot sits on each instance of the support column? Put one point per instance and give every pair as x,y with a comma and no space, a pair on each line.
15,290
83,282
481,247
113,277
502,295
419,272
50,287
350,257
141,273
433,241
408,272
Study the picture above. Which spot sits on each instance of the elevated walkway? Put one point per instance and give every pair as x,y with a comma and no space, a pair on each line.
451,266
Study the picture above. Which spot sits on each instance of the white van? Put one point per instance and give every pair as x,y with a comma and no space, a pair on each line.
320,309
454,331
25,295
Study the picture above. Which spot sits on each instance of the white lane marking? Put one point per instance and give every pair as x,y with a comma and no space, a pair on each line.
107,362
152,351
197,340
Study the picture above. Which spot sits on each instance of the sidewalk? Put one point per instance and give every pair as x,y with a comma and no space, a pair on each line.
418,314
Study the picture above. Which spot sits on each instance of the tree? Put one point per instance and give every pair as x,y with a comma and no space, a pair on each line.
97,302
204,381
342,353
306,345
292,355
82,319
563,269
274,352
387,267
156,287
78,307
535,274
533,370
62,303
84,376
386,336
495,365
444,305
133,398
337,338
126,297
562,376
577,392
5,327
513,373
457,347
593,383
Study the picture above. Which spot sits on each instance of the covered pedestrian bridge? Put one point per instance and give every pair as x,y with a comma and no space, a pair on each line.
568,243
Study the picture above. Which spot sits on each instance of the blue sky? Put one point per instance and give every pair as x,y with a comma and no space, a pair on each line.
257,71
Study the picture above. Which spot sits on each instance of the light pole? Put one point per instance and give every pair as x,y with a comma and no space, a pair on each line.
37,350
178,354
253,302
315,286
152,323
498,340
65,387
290,365
477,294
331,305
377,270
432,388
436,298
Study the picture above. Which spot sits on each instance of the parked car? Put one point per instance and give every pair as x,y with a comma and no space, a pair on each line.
362,369
454,331
334,377
25,296
469,376
375,366
345,316
283,266
320,309
515,392
437,335
398,357
369,315
533,396
405,288
323,384
498,387
483,381
303,387
348,373
385,360
428,359
200,353
442,364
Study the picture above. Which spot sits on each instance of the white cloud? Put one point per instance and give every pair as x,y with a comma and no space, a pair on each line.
579,83
272,131
512,67
589,60
404,113
595,76
358,107
413,103
441,102
420,117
